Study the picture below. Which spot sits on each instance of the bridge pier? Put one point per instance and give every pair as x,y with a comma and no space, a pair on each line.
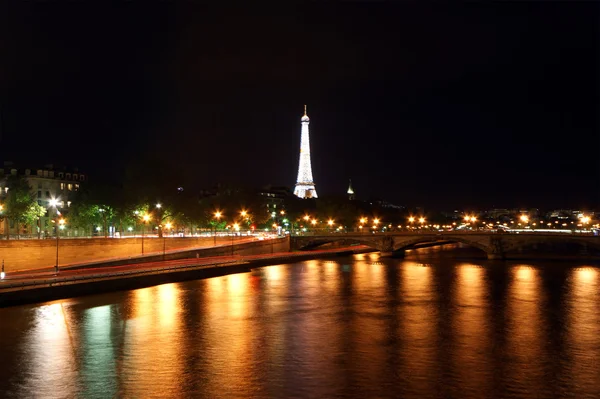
495,256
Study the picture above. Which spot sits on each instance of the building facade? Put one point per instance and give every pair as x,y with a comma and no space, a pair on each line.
47,183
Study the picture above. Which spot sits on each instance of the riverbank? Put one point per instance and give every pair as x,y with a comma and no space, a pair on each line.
74,283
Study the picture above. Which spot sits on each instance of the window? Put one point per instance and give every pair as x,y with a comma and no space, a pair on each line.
39,185
62,186
75,176
70,187
81,178
68,176
68,204
39,172
39,194
61,175
45,173
47,194
76,187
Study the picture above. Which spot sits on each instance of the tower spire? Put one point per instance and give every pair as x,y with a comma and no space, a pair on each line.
305,110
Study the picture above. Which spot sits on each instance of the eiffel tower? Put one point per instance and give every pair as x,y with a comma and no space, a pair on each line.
305,186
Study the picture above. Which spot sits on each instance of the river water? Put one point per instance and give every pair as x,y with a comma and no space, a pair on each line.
351,327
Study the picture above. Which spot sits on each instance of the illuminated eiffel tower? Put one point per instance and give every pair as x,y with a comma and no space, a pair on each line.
305,186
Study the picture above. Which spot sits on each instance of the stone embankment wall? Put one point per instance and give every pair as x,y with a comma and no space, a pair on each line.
35,254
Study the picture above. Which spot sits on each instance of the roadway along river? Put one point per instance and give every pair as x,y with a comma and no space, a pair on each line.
354,327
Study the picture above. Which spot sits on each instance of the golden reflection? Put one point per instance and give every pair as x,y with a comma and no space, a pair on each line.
419,322
330,276
584,315
369,324
155,337
525,327
232,341
168,297
471,330
237,291
52,357
272,273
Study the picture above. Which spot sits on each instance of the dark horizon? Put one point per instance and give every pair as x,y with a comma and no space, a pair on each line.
474,106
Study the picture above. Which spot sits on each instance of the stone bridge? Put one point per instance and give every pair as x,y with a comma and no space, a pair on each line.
495,245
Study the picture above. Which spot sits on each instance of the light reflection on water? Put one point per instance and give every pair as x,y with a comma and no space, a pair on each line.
351,327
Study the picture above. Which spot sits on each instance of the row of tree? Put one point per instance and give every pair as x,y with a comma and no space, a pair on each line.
99,209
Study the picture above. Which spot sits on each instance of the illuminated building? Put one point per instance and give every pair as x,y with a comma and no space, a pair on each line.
46,182
305,186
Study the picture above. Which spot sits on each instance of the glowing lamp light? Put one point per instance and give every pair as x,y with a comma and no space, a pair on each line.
53,202
2,275
168,226
146,218
330,222
363,220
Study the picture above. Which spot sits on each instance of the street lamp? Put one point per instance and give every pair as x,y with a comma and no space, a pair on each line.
330,222
145,218
218,215
54,204
362,220
375,223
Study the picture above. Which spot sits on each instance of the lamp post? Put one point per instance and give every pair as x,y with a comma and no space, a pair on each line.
218,215
54,204
145,218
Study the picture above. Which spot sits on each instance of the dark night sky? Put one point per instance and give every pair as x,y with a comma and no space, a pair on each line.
470,106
